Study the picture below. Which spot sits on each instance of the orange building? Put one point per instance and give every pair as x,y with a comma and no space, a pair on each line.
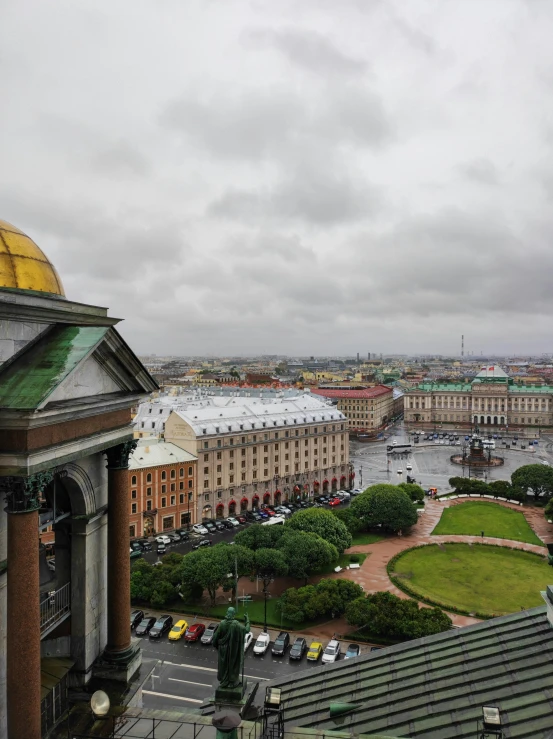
162,488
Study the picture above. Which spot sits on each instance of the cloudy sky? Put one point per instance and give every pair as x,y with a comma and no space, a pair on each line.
296,176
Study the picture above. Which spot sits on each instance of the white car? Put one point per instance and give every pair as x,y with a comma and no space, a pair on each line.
400,472
332,651
262,643
233,521
248,638
163,540
409,467
199,529
394,442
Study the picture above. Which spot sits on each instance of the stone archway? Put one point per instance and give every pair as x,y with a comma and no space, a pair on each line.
232,508
243,505
489,422
220,510
267,498
495,420
148,525
482,420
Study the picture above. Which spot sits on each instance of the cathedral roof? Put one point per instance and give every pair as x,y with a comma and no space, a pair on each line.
24,266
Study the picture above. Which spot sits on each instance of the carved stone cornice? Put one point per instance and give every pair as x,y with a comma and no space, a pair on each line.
118,456
23,493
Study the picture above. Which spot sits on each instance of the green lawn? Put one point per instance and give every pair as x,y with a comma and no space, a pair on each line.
255,610
479,579
473,517
365,537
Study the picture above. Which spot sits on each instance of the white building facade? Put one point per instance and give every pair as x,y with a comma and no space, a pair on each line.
255,450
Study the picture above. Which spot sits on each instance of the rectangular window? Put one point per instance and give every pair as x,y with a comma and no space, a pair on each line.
218,455
148,505
164,502
218,468
133,494
173,474
133,508
219,481
181,472
181,499
206,445
206,496
243,476
173,487
164,488
220,494
231,479
206,484
206,470
190,483
184,519
206,457
173,500
132,530
181,485
163,475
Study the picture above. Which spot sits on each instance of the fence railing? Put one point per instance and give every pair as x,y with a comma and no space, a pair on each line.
54,606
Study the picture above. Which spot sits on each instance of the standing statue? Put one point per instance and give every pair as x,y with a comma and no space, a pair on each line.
229,642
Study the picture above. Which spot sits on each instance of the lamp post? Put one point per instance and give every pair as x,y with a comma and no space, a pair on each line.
361,476
490,723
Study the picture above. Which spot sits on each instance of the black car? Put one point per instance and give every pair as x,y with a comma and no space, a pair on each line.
227,524
298,649
281,644
257,517
161,549
136,618
161,626
145,625
209,633
136,546
184,534
146,545
220,526
202,543
210,526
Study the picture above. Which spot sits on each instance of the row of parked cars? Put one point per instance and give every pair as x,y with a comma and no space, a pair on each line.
156,627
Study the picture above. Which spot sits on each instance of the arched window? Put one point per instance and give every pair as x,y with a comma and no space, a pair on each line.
133,480
149,477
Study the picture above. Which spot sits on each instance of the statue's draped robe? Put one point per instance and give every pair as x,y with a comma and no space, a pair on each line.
229,640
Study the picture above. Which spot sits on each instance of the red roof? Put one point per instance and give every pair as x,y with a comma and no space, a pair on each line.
370,392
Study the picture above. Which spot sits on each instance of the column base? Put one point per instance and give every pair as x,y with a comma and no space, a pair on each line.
119,666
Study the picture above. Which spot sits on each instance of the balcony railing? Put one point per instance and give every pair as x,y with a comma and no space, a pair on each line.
54,607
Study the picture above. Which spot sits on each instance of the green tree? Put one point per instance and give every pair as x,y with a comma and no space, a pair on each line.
305,552
415,492
293,603
387,506
259,537
207,568
351,521
500,489
535,477
323,523
548,510
270,563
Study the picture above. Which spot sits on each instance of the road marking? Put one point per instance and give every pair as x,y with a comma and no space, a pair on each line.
192,667
189,682
170,695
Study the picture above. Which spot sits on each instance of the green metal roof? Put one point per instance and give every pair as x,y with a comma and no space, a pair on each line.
435,687
27,381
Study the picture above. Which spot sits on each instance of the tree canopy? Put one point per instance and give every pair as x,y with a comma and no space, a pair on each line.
384,614
387,506
305,552
324,523
535,477
415,492
326,598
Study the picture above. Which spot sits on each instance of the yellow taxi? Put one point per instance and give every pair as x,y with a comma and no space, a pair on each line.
177,632
315,651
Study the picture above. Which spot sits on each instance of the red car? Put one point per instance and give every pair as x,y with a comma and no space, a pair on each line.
242,519
334,501
194,632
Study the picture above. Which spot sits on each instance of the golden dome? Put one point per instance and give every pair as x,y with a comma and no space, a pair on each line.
23,266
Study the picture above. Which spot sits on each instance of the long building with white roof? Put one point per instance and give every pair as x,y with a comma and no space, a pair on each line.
261,449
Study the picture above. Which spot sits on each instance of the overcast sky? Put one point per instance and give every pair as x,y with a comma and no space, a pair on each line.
296,176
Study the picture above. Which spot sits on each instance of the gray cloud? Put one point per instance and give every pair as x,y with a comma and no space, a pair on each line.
288,177
312,51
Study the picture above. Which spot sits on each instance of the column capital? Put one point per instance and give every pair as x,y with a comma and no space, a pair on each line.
118,456
23,493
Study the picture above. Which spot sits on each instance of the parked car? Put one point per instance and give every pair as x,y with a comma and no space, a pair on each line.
135,553
262,644
242,519
332,651
281,644
146,545
175,538
161,549
233,521
315,651
178,630
210,526
209,633
194,632
248,639
136,546
198,528
145,625
298,648
227,524
184,534
161,626
334,502
256,517
202,543
163,540
352,651
220,526
136,618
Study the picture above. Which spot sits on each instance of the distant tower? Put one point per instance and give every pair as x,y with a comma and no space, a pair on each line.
369,356
357,357
462,346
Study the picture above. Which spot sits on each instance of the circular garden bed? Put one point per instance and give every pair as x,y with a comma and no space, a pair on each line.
480,580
